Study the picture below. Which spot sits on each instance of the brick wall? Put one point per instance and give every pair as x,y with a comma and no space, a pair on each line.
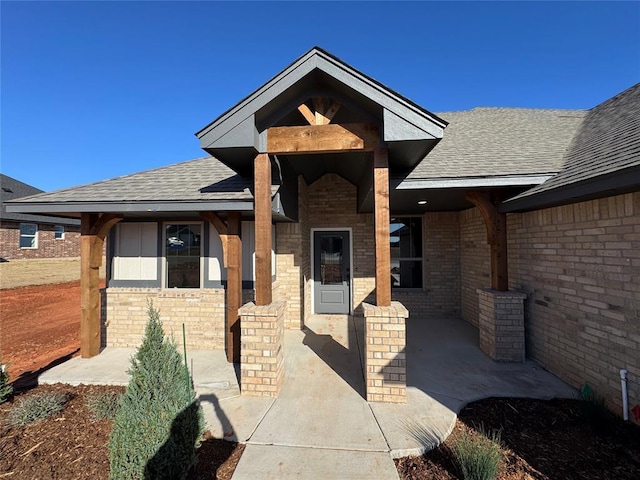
292,265
332,203
48,246
202,311
475,262
580,267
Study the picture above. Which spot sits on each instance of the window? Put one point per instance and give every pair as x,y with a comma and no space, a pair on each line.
58,232
406,252
28,235
182,255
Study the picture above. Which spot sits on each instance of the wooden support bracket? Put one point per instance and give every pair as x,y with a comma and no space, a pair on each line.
496,224
230,237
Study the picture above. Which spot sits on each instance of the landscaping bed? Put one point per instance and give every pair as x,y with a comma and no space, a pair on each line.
73,445
542,440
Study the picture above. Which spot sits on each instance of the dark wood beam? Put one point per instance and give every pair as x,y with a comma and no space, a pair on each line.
93,230
496,224
331,112
383,247
234,285
262,195
318,105
332,138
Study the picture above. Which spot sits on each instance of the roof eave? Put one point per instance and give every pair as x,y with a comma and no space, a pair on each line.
617,183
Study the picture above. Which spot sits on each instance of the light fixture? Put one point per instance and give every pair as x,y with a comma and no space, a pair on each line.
422,202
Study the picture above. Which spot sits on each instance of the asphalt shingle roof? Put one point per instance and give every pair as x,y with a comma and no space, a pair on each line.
12,189
608,141
500,141
202,179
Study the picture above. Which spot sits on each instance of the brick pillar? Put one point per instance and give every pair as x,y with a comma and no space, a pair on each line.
261,349
385,357
501,325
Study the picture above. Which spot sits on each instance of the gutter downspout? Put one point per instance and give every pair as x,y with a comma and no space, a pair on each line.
625,399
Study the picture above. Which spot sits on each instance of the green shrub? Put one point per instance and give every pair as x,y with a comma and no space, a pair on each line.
104,405
36,407
5,387
479,456
159,423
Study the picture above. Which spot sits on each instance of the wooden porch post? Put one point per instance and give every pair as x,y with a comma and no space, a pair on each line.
234,286
262,195
230,238
93,230
496,224
383,247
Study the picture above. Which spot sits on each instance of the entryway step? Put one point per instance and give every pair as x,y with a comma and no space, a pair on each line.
267,462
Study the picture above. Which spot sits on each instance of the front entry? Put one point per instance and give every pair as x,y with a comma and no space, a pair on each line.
331,272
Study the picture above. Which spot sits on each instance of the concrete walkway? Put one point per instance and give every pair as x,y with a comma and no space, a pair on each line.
320,426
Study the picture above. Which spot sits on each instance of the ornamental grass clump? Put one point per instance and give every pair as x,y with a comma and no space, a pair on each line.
5,387
36,407
479,456
594,410
104,405
159,421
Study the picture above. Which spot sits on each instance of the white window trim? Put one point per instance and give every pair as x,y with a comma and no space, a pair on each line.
35,236
61,237
163,278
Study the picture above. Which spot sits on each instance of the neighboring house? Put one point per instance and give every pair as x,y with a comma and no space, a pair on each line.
326,192
34,236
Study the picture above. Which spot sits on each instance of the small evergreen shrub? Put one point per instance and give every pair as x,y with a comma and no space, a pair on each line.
5,387
36,407
479,456
159,423
104,405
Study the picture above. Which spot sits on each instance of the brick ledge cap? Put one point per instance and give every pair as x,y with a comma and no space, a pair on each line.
501,294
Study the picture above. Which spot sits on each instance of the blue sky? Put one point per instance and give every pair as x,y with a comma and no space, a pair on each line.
94,90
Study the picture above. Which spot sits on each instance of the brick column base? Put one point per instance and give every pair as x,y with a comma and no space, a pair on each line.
501,325
385,357
261,349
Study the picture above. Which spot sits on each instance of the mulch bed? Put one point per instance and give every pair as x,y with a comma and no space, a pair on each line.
72,445
543,440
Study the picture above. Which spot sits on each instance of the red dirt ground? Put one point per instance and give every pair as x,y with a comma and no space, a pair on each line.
39,326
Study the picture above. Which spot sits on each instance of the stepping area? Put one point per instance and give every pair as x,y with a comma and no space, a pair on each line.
320,426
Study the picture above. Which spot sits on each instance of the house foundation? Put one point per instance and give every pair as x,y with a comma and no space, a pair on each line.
501,325
385,356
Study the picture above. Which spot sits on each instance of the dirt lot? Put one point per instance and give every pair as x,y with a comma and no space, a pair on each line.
38,325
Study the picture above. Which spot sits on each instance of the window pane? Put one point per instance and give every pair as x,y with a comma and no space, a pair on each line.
27,242
58,232
183,256
28,229
406,237
331,260
406,273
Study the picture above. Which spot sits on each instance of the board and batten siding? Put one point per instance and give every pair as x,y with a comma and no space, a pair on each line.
136,251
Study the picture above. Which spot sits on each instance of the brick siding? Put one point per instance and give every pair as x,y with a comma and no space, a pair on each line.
332,203
475,262
202,311
580,267
48,246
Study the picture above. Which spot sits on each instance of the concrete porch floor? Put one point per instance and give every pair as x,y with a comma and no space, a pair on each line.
320,426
